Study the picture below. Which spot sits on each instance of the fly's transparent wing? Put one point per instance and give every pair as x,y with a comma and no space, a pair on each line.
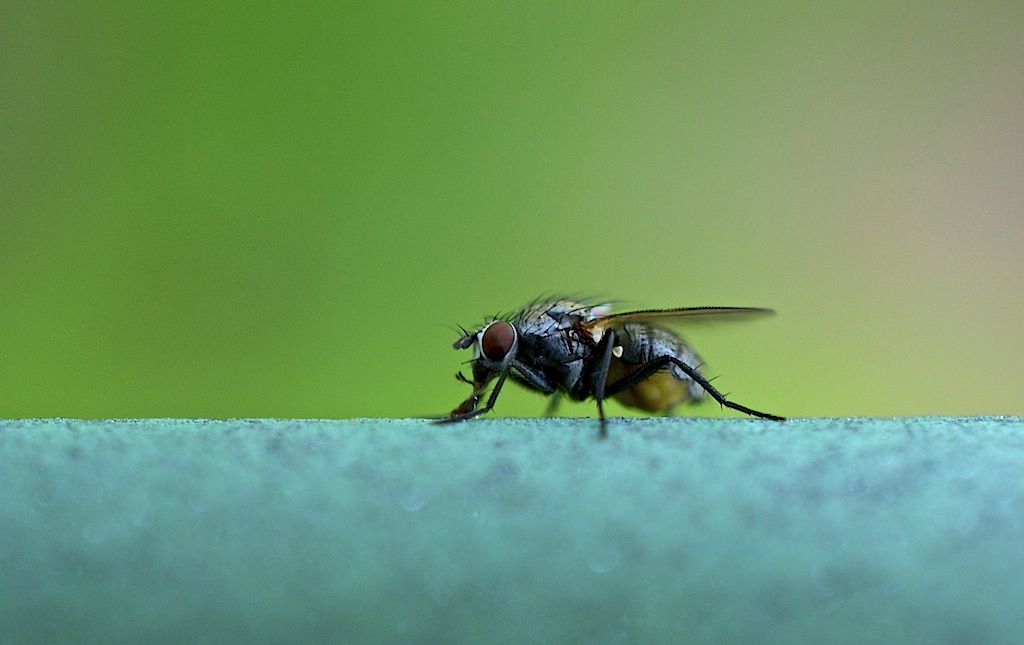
680,316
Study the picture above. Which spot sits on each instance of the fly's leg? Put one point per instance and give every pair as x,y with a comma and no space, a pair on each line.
652,366
470,403
534,379
467,409
601,377
552,406
543,384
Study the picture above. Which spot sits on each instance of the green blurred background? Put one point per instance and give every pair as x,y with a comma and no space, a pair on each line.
229,210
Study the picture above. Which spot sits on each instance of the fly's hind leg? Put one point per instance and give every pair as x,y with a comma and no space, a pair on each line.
655,364
553,404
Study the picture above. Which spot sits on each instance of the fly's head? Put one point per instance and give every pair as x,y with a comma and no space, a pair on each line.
494,349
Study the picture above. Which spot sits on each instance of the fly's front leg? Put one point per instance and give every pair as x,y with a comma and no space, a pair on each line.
470,403
467,409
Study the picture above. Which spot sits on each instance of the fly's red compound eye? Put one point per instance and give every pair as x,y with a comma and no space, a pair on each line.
498,340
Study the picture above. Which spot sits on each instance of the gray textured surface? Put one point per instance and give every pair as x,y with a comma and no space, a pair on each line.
849,530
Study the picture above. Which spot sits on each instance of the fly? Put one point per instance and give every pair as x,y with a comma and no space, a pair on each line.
562,347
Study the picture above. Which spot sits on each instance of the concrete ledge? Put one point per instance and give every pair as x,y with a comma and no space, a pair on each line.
512,530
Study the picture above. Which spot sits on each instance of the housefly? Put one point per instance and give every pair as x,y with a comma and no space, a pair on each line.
562,347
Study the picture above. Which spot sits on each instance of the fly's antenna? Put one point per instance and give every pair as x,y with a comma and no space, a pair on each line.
465,340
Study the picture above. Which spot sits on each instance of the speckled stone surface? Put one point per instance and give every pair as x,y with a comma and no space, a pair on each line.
503,530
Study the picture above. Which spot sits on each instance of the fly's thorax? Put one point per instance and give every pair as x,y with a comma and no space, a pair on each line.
559,355
554,341
555,315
